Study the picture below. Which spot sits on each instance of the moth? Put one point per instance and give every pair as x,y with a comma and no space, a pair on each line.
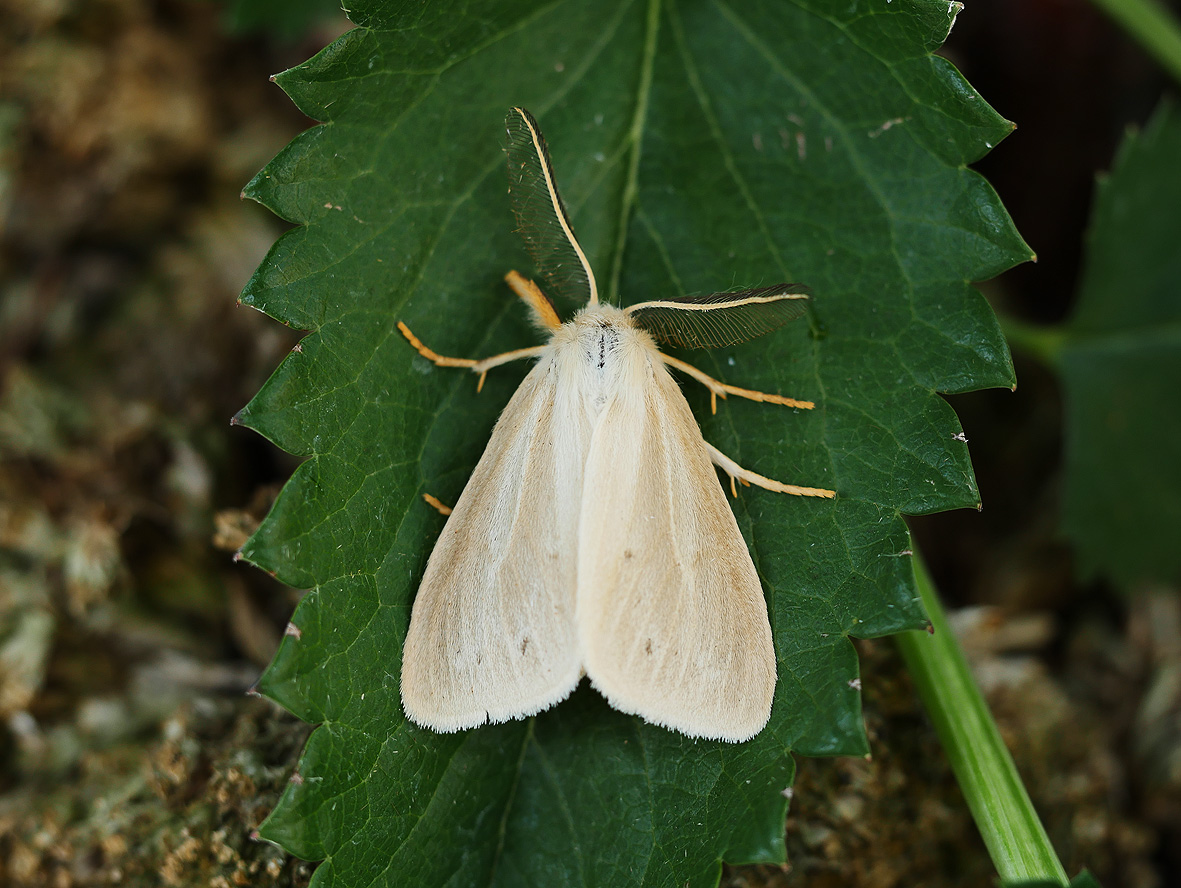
593,537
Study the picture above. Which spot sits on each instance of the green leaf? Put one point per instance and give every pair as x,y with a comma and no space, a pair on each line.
1120,360
699,147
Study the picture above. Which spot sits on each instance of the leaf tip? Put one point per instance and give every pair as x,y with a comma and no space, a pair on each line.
253,190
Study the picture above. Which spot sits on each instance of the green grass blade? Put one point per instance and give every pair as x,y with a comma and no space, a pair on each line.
1015,837
1152,26
1041,341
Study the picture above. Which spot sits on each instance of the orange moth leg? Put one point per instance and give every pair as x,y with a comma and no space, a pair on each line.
482,367
748,477
530,293
437,504
718,389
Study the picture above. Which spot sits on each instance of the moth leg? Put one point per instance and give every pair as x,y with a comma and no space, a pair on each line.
719,389
438,505
482,366
543,310
748,477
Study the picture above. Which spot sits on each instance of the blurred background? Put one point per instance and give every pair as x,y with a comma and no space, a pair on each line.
130,749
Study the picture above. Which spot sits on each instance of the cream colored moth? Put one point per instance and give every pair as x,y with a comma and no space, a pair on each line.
593,537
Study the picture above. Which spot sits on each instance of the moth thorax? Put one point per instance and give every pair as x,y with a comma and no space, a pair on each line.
602,315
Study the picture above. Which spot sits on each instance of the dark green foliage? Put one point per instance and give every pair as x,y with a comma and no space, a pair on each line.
1121,367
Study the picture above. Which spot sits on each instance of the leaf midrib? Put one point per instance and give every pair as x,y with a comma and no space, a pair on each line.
636,137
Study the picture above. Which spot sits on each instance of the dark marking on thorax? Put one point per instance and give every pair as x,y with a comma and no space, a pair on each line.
604,339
